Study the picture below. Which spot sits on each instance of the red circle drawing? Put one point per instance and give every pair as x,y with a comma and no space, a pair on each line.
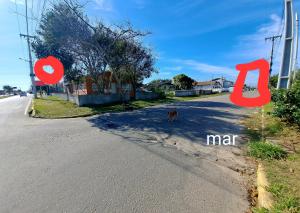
47,78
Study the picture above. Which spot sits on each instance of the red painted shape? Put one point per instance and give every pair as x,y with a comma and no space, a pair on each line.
45,77
263,81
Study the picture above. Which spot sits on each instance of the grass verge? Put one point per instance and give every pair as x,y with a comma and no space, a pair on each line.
54,108
2,97
266,151
280,157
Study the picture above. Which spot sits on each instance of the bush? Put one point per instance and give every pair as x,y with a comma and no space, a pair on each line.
170,94
287,103
266,151
161,93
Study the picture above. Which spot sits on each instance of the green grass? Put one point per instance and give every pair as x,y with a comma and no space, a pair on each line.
285,184
266,151
285,201
2,97
282,169
53,107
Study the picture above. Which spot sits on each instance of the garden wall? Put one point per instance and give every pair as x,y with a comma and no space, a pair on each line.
146,95
82,100
184,93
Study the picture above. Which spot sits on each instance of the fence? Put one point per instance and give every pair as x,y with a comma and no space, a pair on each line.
101,99
186,93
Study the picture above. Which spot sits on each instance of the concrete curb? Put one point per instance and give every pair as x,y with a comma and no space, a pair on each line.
32,108
265,198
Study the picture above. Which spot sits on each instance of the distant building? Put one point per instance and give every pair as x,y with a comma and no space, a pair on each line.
215,85
2,92
88,87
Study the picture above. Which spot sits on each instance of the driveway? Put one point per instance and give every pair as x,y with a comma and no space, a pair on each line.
117,162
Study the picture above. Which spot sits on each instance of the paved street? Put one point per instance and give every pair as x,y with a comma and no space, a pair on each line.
124,162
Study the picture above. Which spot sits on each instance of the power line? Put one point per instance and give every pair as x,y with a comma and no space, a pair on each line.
19,27
32,15
280,31
273,39
27,36
40,16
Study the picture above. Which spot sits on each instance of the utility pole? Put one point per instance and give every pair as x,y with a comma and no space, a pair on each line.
296,46
27,36
273,39
285,73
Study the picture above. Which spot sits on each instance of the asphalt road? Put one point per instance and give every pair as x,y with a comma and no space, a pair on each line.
117,162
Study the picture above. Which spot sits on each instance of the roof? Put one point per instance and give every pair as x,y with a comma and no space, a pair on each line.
203,83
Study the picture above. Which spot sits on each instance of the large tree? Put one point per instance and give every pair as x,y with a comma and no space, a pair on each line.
66,33
183,82
7,89
58,26
140,64
160,84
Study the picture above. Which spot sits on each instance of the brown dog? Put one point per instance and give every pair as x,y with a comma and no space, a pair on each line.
172,115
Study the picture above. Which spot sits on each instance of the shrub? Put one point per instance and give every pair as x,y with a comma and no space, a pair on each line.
266,151
287,103
170,94
161,93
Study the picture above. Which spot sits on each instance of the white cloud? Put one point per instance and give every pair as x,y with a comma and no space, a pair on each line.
249,47
18,1
207,68
253,46
165,73
217,71
140,4
105,5
175,68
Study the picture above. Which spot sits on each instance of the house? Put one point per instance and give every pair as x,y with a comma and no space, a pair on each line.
88,87
215,85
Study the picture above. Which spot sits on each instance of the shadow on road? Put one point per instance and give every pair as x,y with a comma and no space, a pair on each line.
196,120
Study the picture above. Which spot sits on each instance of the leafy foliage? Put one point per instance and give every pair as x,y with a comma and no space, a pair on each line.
265,150
183,82
273,81
85,49
54,31
162,84
7,88
287,103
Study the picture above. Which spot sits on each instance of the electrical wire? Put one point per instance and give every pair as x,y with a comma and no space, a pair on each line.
32,15
40,16
19,28
280,32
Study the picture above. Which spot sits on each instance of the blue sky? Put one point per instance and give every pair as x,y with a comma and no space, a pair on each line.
201,38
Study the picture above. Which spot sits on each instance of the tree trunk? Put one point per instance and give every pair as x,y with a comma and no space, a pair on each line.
134,91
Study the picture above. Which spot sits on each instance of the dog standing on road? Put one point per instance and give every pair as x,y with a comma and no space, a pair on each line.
172,115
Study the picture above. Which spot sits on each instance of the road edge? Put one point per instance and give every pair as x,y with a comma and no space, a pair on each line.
32,112
265,198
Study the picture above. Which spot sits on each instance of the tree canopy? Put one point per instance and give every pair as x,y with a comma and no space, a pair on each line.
160,84
183,82
86,49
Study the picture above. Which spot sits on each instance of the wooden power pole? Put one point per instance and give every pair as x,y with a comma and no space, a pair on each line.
273,39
